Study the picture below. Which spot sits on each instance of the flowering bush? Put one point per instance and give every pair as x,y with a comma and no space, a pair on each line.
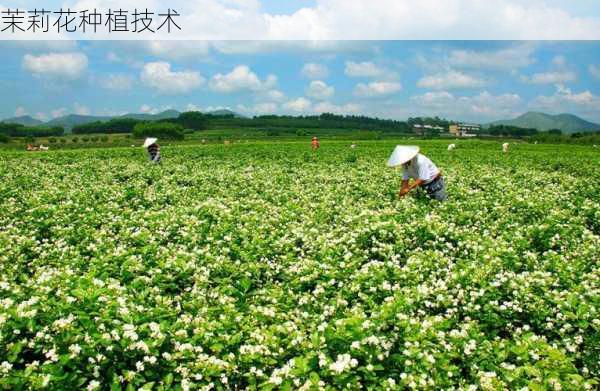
251,267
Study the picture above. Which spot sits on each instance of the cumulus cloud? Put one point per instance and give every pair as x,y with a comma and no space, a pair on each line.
450,80
328,107
315,71
363,69
483,106
564,99
371,20
60,112
66,66
159,76
80,109
147,109
377,89
20,111
594,71
431,19
259,108
117,82
558,77
239,79
298,105
319,90
509,58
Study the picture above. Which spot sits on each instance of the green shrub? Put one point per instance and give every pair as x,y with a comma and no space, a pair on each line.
4,138
62,140
52,140
104,139
85,139
75,139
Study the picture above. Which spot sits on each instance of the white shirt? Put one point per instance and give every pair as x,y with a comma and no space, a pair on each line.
420,168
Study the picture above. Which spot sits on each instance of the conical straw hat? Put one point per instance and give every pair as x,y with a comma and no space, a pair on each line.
402,154
149,141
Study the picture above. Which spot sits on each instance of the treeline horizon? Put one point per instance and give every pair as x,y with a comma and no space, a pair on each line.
273,125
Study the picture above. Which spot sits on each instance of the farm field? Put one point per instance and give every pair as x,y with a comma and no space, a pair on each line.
264,266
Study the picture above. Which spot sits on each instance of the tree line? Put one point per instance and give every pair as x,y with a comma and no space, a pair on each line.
18,130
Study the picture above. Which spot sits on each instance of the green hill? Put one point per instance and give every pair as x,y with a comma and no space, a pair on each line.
568,123
25,120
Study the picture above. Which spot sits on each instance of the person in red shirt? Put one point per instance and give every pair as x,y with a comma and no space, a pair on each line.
315,144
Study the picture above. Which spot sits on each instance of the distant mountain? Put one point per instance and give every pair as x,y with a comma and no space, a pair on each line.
25,120
71,120
153,117
568,123
225,112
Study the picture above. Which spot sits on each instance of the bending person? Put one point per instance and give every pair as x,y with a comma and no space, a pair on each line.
421,169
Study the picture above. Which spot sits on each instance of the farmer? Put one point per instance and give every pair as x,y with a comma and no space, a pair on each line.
422,170
153,149
315,144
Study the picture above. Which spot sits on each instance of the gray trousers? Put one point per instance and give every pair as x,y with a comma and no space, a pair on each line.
436,189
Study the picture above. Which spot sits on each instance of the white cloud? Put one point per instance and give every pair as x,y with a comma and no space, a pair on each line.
58,112
274,95
239,79
551,77
315,71
564,99
328,107
319,90
117,82
363,69
298,105
513,57
371,20
450,80
594,71
67,66
377,89
483,106
559,61
432,19
41,116
80,109
147,109
259,108
20,111
177,50
158,75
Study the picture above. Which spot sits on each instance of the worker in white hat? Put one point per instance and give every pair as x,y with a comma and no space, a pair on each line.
418,167
153,149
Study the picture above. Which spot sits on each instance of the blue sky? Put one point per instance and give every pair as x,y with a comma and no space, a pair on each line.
464,80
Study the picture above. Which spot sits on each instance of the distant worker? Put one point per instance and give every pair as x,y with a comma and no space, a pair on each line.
353,146
451,147
153,149
315,144
505,147
419,168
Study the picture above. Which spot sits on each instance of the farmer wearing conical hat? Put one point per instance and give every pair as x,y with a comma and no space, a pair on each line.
315,144
153,149
420,169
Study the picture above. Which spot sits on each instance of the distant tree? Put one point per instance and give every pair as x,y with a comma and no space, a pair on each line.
555,131
193,120
4,138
